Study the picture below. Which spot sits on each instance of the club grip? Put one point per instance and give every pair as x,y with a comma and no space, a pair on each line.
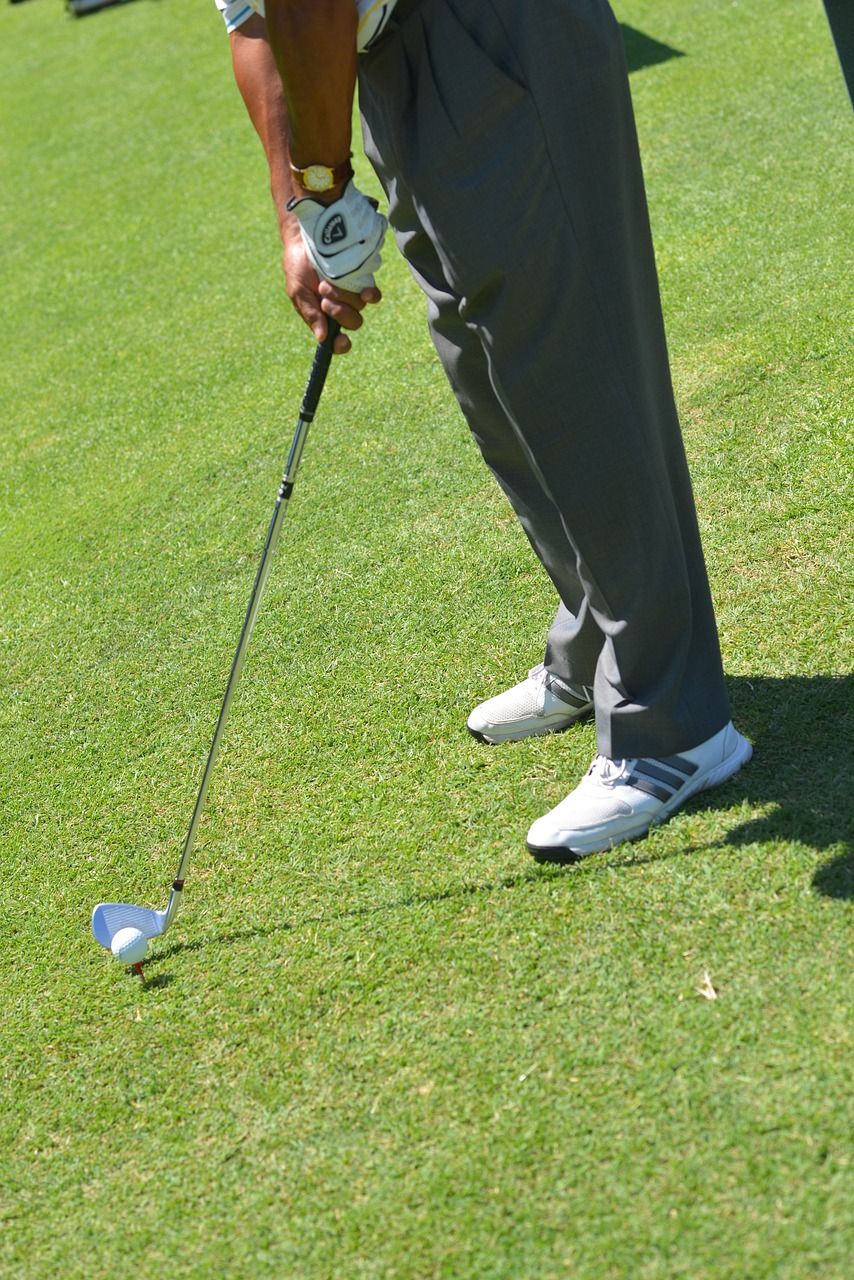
319,370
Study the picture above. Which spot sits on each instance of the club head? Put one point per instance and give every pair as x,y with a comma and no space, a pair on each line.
109,917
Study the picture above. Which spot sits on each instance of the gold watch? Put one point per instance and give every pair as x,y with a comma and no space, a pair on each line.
322,177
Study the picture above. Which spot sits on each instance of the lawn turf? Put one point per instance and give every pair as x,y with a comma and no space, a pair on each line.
379,1042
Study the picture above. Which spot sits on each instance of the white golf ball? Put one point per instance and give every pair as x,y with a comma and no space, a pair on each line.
129,946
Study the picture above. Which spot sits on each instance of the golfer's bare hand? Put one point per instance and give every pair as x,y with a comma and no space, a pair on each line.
314,299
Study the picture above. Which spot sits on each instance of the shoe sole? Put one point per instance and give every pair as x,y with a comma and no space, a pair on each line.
715,777
496,740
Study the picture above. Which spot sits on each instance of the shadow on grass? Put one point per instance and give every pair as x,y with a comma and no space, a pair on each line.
840,15
85,8
452,893
835,879
157,983
645,51
801,729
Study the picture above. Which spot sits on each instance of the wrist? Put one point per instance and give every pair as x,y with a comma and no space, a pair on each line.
289,223
321,197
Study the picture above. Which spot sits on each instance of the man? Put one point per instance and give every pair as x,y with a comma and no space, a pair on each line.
502,133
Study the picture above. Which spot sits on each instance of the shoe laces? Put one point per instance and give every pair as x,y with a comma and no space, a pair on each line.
610,772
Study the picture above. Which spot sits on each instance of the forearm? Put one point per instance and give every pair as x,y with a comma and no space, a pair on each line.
302,109
314,46
260,87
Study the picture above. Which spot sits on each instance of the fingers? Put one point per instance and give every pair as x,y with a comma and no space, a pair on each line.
344,306
315,299
341,305
307,306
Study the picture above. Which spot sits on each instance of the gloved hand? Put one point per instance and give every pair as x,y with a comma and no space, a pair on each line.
342,239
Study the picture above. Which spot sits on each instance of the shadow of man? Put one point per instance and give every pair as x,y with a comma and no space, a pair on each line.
643,50
840,16
801,727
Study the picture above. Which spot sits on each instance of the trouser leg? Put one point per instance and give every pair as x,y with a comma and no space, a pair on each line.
508,126
575,641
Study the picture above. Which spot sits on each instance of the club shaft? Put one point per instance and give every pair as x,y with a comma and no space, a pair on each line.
317,378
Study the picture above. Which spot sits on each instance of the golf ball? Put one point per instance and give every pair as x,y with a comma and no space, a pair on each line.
129,946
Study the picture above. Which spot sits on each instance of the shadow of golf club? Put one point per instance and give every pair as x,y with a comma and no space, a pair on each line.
452,893
538,875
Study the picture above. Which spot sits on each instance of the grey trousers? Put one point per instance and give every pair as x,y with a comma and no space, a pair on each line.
502,132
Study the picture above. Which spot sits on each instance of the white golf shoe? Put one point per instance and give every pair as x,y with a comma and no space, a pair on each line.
529,708
621,799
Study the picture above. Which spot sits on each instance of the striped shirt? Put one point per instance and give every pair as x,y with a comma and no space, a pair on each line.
373,15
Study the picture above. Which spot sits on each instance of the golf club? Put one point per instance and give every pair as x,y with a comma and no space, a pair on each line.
109,917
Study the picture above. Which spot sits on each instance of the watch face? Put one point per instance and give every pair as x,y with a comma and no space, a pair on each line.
318,177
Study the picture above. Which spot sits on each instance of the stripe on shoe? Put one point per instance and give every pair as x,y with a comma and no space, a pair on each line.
661,778
581,697
679,762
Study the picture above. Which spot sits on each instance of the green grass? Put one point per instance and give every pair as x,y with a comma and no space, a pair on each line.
379,1042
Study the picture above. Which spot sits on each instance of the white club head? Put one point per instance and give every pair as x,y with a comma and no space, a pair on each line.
109,917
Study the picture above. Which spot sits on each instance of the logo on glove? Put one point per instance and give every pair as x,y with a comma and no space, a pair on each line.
334,231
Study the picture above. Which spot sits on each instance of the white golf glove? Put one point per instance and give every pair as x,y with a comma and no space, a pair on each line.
342,239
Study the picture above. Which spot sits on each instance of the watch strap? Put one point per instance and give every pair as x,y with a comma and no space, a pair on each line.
337,173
